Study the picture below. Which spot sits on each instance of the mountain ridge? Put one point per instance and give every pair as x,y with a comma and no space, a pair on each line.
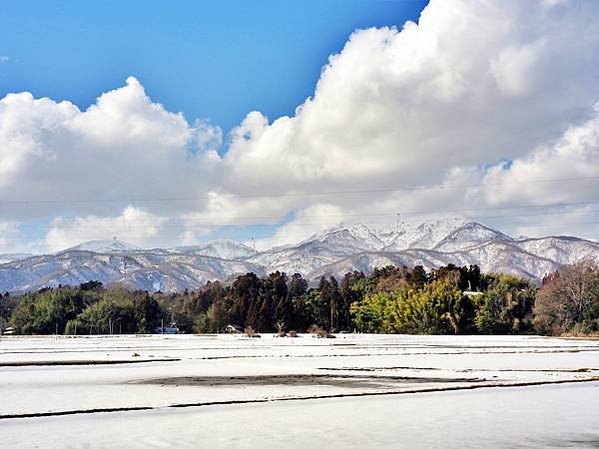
332,252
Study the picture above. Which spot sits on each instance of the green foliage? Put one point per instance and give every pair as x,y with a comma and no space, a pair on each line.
7,306
437,308
146,313
448,300
317,309
505,307
88,309
97,318
48,311
373,313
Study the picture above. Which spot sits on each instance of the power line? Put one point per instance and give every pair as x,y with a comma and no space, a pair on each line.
208,221
293,194
316,223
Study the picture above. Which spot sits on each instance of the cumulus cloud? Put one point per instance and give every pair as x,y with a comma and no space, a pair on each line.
132,225
9,237
573,157
123,147
480,103
308,221
472,82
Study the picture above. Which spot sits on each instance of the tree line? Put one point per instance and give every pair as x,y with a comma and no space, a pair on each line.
447,300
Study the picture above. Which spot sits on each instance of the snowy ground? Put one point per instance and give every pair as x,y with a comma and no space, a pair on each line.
352,391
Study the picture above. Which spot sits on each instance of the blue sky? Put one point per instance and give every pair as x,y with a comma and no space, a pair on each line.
418,122
214,60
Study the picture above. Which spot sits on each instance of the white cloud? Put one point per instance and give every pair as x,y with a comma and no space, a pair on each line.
121,148
9,237
473,82
306,222
443,103
133,225
574,156
582,221
514,68
4,59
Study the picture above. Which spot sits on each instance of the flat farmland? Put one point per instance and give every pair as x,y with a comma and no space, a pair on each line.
353,390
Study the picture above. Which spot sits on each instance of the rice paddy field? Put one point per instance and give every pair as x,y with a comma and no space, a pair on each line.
392,391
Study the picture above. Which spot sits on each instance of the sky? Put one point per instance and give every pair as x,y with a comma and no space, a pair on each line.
274,120
213,60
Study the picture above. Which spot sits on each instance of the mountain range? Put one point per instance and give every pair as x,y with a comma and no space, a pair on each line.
332,252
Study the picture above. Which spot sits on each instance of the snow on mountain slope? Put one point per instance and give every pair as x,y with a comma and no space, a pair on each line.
319,250
11,257
505,257
364,262
294,260
224,249
346,239
134,269
424,235
334,251
469,235
103,246
336,244
491,257
563,250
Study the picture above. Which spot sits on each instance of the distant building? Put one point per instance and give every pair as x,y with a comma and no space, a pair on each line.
172,329
471,294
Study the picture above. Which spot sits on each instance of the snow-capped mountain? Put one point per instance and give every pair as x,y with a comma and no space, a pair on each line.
469,235
422,235
465,243
332,252
103,246
5,258
224,249
148,270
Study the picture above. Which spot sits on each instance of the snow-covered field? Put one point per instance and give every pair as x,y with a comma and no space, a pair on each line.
353,391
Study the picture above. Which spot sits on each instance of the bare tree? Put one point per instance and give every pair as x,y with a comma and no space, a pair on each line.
569,299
